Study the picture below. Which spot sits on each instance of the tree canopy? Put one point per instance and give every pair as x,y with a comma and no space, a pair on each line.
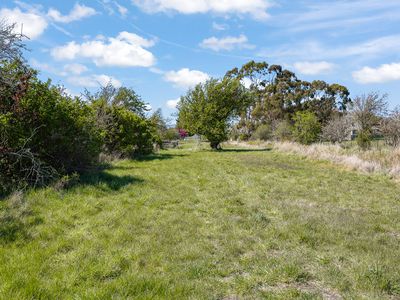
208,108
278,94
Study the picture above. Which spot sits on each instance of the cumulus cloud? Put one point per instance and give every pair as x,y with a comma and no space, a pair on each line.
93,81
78,12
381,74
173,103
186,78
314,68
31,23
256,8
125,50
227,43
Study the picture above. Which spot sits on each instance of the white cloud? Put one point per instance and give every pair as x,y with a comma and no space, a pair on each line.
313,68
316,50
67,70
125,50
226,43
75,69
156,71
93,81
220,27
121,9
325,15
173,103
31,23
186,78
246,82
44,67
78,12
384,73
256,8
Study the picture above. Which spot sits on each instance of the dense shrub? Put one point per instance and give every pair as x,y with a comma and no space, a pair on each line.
128,134
44,132
306,128
120,117
282,131
171,134
263,132
363,139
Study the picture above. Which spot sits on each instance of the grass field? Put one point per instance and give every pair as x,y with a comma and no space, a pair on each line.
183,224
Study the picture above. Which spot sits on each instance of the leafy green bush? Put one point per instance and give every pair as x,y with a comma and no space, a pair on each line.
363,139
263,132
283,131
306,128
171,134
128,134
43,133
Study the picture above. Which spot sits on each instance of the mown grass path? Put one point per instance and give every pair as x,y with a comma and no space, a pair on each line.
205,225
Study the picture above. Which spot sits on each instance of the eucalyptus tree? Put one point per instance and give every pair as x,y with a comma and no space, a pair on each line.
278,94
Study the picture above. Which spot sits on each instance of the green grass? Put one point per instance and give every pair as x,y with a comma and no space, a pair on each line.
189,224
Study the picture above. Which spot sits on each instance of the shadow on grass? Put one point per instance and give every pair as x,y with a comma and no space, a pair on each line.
14,227
244,150
17,219
113,182
158,156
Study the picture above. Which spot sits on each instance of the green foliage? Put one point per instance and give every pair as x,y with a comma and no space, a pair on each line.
363,139
171,134
127,133
208,108
277,94
283,131
263,132
127,98
306,128
161,127
44,132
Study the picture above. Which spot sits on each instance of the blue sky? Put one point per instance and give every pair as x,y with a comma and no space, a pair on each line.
161,48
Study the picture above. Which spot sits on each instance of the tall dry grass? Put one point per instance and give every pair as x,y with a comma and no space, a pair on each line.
383,160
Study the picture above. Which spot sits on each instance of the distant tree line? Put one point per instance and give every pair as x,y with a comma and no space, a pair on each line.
276,105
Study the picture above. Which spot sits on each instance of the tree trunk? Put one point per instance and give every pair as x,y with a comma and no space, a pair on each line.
215,145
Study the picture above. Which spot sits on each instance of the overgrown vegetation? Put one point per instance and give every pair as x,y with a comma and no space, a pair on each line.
192,223
306,128
281,107
186,224
45,133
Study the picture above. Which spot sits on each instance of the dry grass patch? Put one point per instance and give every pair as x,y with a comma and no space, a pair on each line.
384,160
